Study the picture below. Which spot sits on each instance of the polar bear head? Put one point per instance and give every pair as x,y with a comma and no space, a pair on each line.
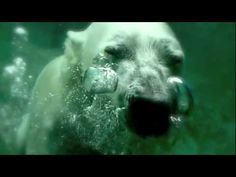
145,62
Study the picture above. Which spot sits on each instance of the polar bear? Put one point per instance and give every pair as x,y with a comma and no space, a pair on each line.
116,85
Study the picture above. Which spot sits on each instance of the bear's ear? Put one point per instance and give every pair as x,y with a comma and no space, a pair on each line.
74,45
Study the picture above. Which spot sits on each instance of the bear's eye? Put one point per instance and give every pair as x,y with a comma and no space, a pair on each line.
171,52
117,52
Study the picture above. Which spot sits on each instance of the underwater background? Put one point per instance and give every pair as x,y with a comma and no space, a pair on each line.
209,68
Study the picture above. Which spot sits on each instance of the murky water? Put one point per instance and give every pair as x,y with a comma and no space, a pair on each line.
25,48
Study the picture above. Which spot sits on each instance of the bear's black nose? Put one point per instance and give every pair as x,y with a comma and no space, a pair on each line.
146,117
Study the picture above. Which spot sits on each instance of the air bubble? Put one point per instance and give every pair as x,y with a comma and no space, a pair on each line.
21,33
176,120
51,94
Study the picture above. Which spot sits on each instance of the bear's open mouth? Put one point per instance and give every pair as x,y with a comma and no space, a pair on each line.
148,118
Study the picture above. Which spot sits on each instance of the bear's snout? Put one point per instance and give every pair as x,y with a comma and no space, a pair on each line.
147,117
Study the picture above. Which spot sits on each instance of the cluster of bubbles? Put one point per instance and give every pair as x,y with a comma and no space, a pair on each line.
17,88
16,73
95,120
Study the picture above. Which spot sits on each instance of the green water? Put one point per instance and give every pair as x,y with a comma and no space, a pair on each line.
209,68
